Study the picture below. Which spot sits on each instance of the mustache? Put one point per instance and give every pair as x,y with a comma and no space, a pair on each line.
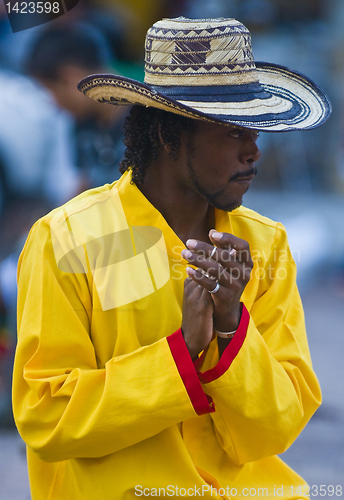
247,173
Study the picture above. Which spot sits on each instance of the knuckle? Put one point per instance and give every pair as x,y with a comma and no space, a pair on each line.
243,246
206,303
246,245
225,256
247,274
187,281
212,270
199,273
202,248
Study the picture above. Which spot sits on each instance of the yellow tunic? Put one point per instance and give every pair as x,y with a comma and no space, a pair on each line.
105,394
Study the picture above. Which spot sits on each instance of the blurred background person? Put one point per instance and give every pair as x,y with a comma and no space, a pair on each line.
59,58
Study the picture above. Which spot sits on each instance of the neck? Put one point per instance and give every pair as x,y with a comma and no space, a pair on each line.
186,212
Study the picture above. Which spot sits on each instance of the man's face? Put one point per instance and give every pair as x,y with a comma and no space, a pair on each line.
67,95
220,163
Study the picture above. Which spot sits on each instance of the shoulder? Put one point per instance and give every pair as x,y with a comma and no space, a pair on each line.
80,208
251,217
257,229
68,227
85,201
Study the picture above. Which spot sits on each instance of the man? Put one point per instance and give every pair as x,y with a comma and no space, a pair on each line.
60,56
161,348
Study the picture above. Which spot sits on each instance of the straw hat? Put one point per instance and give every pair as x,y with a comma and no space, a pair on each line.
204,69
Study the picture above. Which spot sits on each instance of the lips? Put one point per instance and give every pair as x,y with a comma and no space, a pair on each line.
245,179
244,176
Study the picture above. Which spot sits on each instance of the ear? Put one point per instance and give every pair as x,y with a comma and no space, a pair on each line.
167,147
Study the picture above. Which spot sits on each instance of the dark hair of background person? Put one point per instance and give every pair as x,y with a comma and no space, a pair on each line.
142,140
78,43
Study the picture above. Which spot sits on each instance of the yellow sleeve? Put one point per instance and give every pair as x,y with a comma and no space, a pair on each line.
65,406
263,387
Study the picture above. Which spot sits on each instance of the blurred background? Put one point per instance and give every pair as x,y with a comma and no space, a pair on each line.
55,143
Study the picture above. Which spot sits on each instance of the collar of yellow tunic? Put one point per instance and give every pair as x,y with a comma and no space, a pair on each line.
140,212
115,233
90,221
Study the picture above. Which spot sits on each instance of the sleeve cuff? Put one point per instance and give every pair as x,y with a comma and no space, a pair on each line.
200,401
229,353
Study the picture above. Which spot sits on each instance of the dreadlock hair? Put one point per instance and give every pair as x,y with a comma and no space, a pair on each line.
141,138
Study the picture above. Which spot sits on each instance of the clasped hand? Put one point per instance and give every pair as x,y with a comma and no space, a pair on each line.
230,266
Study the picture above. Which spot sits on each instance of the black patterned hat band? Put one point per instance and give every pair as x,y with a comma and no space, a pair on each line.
204,69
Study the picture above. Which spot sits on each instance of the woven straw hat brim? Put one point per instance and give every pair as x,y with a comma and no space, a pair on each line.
283,100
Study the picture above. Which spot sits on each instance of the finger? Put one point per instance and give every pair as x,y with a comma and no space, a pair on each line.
205,297
238,247
225,279
209,284
212,252
221,240
187,282
228,274
199,260
191,287
200,247
213,269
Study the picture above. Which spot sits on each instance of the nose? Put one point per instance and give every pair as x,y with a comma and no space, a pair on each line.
250,152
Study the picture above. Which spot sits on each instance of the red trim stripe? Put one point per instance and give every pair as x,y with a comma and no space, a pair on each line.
230,352
200,401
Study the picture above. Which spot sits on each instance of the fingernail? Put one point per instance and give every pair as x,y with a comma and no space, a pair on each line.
190,271
191,243
186,254
217,236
